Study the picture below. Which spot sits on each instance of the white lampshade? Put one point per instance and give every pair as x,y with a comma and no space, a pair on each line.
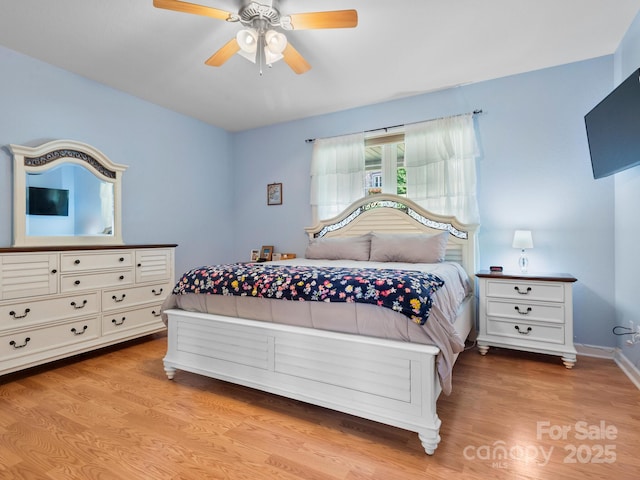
275,42
522,239
247,40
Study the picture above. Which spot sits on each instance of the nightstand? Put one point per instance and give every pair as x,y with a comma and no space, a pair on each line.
531,312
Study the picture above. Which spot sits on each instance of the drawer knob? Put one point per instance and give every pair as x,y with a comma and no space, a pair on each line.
16,346
517,289
77,282
121,277
16,316
118,300
78,307
155,314
526,332
77,262
157,292
525,312
76,332
116,323
121,259
54,271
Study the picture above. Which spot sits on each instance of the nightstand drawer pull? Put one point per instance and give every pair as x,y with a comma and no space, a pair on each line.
523,333
13,343
157,293
115,299
78,307
115,322
527,291
16,316
526,312
76,332
155,314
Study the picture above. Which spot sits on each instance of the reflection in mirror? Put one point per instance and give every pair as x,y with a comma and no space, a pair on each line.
68,200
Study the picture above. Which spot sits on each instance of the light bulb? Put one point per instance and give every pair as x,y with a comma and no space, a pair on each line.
276,42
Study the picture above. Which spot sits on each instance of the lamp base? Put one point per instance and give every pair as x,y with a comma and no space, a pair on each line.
523,262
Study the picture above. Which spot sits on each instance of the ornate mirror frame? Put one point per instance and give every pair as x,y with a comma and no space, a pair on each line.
32,160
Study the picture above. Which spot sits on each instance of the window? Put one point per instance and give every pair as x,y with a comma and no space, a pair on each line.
432,163
384,165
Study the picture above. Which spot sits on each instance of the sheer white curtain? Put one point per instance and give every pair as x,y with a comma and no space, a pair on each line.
337,174
440,158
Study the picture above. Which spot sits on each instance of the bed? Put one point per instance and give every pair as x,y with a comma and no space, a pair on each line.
384,366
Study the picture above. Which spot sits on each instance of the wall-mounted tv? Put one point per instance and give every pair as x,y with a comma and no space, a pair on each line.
47,201
613,129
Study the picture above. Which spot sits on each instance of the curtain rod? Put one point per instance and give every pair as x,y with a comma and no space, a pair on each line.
475,112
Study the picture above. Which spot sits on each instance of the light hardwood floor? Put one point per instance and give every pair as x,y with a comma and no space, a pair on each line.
114,415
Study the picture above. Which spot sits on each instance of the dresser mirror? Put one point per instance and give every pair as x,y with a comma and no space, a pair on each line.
65,193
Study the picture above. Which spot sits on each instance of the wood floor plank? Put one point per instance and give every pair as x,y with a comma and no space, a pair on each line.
113,415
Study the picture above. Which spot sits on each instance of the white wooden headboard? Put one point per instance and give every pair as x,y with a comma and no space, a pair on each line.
388,213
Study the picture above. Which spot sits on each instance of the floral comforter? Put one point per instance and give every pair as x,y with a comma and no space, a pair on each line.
405,291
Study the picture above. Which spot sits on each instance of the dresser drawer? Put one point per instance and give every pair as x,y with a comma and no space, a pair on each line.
127,297
526,312
118,323
45,339
35,312
73,283
526,290
524,331
80,262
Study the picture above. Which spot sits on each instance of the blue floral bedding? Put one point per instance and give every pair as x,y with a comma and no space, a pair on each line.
405,291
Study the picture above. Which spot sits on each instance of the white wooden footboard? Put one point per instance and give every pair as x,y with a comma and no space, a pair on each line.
391,382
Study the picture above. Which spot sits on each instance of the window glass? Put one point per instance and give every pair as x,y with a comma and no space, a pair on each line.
384,165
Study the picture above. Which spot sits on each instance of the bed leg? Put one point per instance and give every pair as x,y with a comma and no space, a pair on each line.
170,371
430,437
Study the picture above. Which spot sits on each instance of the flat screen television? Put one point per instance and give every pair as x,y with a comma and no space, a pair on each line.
47,201
613,129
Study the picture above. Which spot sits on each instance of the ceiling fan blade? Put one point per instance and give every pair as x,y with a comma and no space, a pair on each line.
187,7
296,61
332,19
225,53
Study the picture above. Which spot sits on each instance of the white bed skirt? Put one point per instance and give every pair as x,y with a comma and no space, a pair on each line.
390,382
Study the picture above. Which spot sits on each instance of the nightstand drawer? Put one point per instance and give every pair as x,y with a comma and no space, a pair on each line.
526,331
526,290
526,312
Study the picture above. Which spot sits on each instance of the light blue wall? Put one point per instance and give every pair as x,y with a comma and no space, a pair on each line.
534,173
177,186
627,201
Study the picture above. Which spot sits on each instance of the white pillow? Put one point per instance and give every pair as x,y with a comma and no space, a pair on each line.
410,248
348,248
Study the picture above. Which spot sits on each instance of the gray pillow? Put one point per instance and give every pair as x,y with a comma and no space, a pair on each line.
410,248
347,248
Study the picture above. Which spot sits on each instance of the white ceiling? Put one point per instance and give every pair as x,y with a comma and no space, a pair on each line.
400,48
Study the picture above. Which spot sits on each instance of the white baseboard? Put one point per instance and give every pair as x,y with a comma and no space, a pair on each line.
628,368
615,354
596,351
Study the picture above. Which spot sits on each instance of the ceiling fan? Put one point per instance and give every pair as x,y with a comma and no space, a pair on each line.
260,42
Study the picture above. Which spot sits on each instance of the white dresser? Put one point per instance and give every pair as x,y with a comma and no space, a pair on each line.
58,302
531,312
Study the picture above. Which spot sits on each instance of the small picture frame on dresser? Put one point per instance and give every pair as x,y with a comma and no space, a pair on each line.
266,252
255,255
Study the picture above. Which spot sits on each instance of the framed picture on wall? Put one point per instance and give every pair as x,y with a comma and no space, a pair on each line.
266,252
274,194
